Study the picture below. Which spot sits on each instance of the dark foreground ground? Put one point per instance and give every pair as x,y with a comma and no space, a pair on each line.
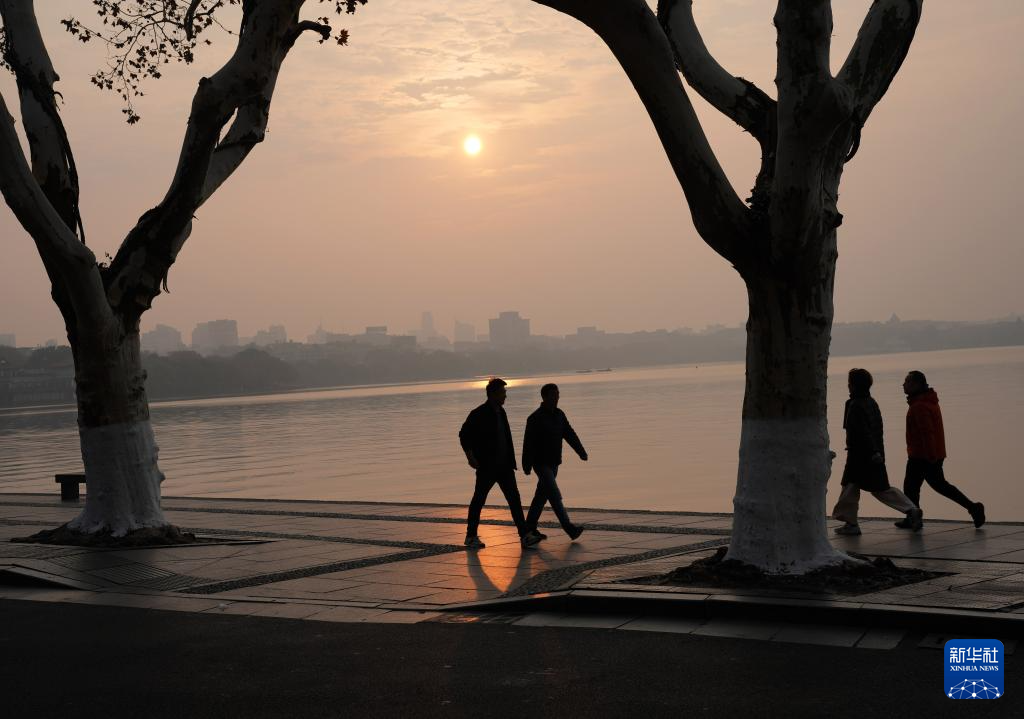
85,661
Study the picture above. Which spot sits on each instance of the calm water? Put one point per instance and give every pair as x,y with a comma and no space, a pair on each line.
661,438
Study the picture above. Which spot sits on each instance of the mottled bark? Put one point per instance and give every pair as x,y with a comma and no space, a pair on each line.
785,459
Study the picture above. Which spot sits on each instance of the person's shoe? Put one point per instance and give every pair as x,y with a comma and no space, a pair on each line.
474,542
978,514
540,534
529,539
575,532
849,530
916,519
903,523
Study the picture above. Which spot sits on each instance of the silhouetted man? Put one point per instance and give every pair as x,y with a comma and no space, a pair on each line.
926,449
542,451
487,441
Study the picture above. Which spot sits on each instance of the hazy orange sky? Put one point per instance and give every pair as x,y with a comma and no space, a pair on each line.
362,208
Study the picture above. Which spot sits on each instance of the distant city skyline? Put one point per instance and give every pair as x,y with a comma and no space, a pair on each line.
170,337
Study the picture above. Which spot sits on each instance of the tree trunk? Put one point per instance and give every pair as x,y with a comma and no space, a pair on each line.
784,459
118,446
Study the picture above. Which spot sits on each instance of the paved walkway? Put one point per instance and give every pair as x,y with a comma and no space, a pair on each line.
351,561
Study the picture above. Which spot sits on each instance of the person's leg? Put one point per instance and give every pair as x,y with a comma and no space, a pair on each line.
540,498
847,506
894,498
554,495
484,482
507,482
913,480
936,479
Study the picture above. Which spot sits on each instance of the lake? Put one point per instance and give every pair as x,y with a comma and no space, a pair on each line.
659,438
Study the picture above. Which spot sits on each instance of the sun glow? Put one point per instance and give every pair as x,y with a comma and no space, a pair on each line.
472,145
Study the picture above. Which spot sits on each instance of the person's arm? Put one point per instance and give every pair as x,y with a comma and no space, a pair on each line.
466,435
508,438
875,433
570,436
529,440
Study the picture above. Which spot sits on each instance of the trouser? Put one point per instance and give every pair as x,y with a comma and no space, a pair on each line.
547,492
506,480
920,471
849,502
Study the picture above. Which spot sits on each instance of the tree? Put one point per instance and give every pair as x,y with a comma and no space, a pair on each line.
782,240
101,304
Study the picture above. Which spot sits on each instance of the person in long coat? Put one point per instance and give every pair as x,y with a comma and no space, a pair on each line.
865,459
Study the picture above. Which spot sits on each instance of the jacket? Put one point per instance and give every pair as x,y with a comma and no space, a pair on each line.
479,435
925,436
542,443
862,421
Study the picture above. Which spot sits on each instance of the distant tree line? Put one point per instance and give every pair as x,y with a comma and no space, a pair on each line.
291,367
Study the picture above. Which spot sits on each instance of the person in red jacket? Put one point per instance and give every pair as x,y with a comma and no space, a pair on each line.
926,449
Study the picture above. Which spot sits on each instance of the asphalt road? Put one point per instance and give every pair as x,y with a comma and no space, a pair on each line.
89,661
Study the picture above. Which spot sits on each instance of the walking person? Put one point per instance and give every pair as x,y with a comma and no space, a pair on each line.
487,441
865,459
542,451
926,449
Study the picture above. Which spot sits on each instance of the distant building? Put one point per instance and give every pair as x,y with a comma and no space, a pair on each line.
7,340
509,330
377,330
322,337
464,332
162,339
273,335
214,335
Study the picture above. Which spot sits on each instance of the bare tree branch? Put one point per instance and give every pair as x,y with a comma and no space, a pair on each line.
53,163
882,44
250,124
633,34
190,18
71,263
738,99
242,88
812,106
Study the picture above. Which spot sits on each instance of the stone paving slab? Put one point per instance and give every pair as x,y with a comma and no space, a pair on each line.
359,561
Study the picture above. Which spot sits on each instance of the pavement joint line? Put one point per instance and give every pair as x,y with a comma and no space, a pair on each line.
868,553
635,528
554,579
313,571
428,546
449,505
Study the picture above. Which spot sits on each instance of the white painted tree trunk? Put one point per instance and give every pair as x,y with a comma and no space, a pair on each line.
784,458
122,479
119,450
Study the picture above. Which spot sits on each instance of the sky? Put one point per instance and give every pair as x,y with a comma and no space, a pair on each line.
362,208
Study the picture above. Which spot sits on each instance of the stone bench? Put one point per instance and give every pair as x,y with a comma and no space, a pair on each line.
69,486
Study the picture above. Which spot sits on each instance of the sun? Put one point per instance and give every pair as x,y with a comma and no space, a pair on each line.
472,145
